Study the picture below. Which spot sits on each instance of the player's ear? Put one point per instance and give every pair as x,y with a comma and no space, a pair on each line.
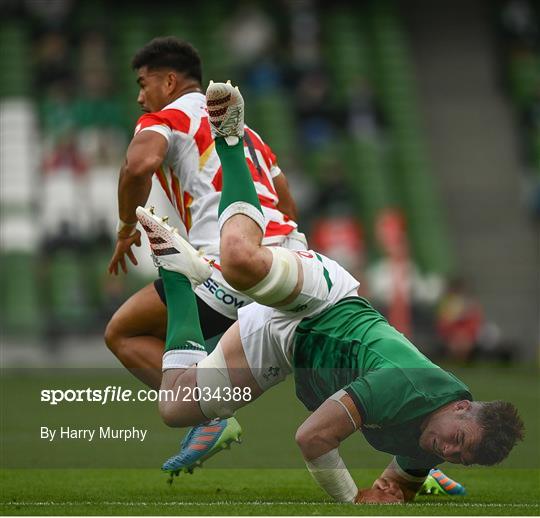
462,406
171,80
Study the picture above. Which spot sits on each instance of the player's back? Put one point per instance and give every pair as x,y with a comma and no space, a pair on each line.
353,343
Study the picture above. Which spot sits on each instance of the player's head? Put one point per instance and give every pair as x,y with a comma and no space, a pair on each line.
165,67
464,432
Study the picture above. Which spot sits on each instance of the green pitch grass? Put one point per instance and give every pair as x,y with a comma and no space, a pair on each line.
245,492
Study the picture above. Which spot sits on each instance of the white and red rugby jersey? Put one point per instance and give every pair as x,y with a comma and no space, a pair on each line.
191,173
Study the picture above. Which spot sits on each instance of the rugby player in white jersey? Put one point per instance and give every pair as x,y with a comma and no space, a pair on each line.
173,150
352,369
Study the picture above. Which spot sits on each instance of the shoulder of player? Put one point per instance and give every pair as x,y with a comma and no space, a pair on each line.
175,120
177,115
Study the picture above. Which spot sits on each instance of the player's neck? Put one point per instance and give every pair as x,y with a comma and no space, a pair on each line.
187,88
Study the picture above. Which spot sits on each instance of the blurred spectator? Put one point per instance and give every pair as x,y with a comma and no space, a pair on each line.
341,238
93,67
365,119
263,76
335,230
251,36
53,63
459,322
403,293
464,332
305,33
250,33
65,155
314,109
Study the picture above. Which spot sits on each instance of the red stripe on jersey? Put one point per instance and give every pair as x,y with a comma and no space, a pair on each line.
261,178
174,119
217,181
175,184
266,201
164,183
203,137
277,229
188,200
267,153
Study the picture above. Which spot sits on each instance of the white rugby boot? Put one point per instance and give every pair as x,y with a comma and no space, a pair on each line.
226,111
171,251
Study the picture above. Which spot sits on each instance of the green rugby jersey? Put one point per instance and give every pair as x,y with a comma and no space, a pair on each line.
352,347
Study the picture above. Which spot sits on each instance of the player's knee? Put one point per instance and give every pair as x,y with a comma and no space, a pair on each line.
113,335
170,414
237,257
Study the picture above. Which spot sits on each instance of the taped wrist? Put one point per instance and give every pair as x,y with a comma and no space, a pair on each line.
280,281
330,472
122,226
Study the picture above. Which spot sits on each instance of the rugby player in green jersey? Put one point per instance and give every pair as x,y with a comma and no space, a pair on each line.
351,368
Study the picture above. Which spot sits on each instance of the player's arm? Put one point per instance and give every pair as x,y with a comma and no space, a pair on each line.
145,154
319,438
286,203
395,475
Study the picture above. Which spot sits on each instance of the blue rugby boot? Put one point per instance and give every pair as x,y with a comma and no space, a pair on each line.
201,443
437,483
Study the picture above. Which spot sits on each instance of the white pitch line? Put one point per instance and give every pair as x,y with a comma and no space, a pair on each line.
258,502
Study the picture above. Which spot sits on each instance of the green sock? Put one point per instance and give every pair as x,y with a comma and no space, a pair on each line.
237,181
183,326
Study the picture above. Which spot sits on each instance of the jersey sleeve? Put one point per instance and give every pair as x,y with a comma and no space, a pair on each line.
269,156
379,396
164,122
271,159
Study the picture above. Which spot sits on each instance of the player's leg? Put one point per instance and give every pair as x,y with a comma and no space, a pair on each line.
136,335
216,387
136,332
271,276
183,346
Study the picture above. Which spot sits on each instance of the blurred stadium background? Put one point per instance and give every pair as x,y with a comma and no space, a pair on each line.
409,131
410,134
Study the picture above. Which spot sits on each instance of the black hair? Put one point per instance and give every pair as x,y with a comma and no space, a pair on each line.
170,52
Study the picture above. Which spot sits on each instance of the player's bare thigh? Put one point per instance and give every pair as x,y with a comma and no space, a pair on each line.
184,409
142,314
